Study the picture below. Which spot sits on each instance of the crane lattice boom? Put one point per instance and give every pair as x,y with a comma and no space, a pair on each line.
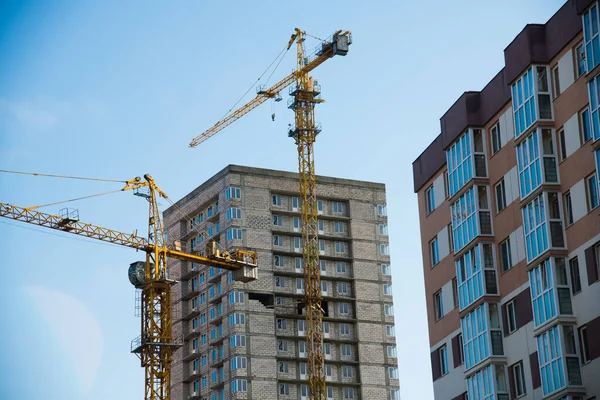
156,344
305,94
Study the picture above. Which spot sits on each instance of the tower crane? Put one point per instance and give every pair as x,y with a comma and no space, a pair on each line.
305,93
156,344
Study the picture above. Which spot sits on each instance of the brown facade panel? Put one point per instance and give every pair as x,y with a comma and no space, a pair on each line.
535,370
593,333
524,308
591,264
462,396
435,365
456,353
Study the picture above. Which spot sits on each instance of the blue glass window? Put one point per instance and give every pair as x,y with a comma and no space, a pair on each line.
475,336
488,383
586,125
594,93
598,167
528,160
435,253
464,219
552,369
542,292
590,37
460,163
523,97
535,228
430,198
469,278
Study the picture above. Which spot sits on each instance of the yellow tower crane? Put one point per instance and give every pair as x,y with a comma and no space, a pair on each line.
156,344
305,93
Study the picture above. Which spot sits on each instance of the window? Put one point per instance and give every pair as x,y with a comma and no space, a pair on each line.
505,256
556,81
233,213
464,219
381,210
338,207
495,138
590,38
430,199
321,225
390,330
586,129
387,290
534,227
593,87
234,234
348,393
346,350
388,310
446,187
281,323
295,203
322,246
239,363
320,206
277,240
340,267
283,367
279,281
438,305
343,287
524,103
569,208
550,360
344,309
297,244
233,193
237,341
580,61
346,371
339,227
237,319
384,249
278,261
394,394
383,229
391,351
562,145
529,165
385,269
277,220
236,297
393,372
592,191
575,277
282,345
276,200
443,352
284,389
500,196
434,252
461,349
455,292
239,385
344,329
511,317
518,376
583,344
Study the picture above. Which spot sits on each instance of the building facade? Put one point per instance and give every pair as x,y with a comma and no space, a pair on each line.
246,340
510,225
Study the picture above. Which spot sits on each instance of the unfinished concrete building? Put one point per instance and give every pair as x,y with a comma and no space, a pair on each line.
245,340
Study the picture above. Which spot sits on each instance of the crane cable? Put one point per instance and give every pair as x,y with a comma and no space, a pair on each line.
61,176
78,198
281,54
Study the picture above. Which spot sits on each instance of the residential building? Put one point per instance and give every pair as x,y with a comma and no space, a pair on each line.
510,224
248,340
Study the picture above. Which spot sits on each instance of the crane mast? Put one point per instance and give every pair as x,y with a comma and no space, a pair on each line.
155,345
305,93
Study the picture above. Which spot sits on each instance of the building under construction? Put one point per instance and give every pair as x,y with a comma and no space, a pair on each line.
247,340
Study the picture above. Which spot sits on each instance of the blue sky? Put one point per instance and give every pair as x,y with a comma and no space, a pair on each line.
118,89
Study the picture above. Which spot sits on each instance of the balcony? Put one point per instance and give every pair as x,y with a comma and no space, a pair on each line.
489,383
550,291
542,225
531,99
558,359
482,335
476,275
536,161
471,216
466,160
